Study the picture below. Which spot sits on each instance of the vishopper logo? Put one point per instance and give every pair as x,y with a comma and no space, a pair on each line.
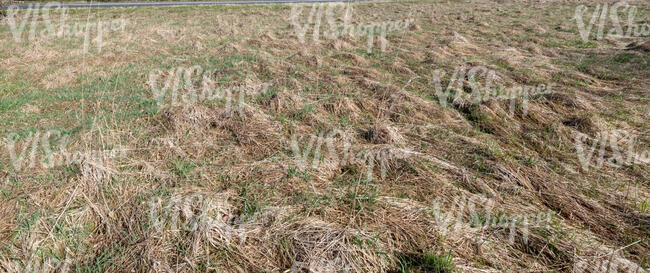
456,218
49,28
189,86
190,213
37,264
609,144
49,141
608,264
481,79
600,16
335,31
344,156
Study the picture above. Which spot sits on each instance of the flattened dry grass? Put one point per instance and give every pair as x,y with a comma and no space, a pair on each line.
261,211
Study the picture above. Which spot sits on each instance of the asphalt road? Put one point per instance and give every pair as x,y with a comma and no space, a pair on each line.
171,3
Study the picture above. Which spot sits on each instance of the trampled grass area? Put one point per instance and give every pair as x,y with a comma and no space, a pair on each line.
282,152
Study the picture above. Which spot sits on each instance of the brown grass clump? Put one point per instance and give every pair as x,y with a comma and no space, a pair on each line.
460,42
353,58
382,133
344,106
252,128
270,241
323,247
399,68
284,102
184,118
584,124
62,77
641,46
339,44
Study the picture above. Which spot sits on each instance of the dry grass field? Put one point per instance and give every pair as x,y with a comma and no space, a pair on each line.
98,173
